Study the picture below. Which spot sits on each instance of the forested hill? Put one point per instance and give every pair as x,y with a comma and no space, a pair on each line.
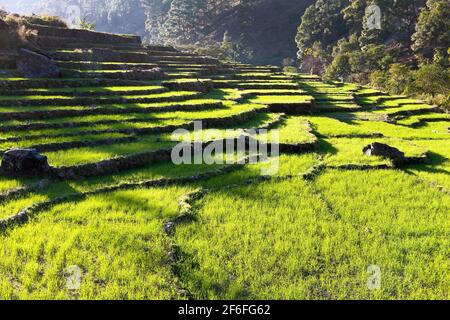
262,31
408,53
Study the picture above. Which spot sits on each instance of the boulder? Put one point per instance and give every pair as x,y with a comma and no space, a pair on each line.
383,150
24,162
35,65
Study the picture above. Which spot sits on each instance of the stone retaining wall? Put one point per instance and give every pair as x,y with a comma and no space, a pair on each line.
86,35
203,86
60,113
84,94
58,83
87,101
293,108
57,146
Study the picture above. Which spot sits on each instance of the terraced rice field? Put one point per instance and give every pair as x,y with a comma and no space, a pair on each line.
151,229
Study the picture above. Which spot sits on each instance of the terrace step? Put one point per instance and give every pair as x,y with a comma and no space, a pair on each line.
86,35
202,71
57,42
83,92
89,101
326,107
160,60
58,146
94,65
100,55
133,74
18,84
62,113
160,48
165,53
250,86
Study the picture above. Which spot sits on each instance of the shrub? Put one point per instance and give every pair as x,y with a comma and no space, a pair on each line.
14,34
399,78
378,80
432,79
290,69
47,20
86,25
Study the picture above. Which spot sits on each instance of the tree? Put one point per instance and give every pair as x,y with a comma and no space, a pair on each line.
226,47
322,22
378,79
186,21
433,28
85,24
399,78
432,79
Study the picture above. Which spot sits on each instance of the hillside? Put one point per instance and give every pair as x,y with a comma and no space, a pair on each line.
266,28
113,207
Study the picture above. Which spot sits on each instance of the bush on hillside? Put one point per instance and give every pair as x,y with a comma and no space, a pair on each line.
14,34
47,20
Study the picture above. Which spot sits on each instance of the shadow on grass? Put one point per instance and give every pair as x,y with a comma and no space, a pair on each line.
326,148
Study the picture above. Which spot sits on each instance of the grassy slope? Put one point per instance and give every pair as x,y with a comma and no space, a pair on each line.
288,238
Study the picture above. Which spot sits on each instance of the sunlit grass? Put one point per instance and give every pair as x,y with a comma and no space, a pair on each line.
280,240
115,239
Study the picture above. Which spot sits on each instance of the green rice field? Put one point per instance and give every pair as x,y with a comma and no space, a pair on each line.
148,228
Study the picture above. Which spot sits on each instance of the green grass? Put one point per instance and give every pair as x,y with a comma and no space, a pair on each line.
7,183
281,99
189,100
98,153
39,141
349,151
281,240
55,134
406,108
293,130
437,172
115,239
310,231
169,95
97,89
330,127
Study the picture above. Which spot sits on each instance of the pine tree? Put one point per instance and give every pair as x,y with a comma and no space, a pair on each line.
322,22
186,21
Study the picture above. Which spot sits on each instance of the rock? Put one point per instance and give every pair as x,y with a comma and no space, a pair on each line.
383,150
169,227
35,65
24,162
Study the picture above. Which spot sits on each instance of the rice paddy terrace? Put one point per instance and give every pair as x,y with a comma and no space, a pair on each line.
140,227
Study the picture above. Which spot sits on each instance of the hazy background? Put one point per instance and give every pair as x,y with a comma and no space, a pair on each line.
262,31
